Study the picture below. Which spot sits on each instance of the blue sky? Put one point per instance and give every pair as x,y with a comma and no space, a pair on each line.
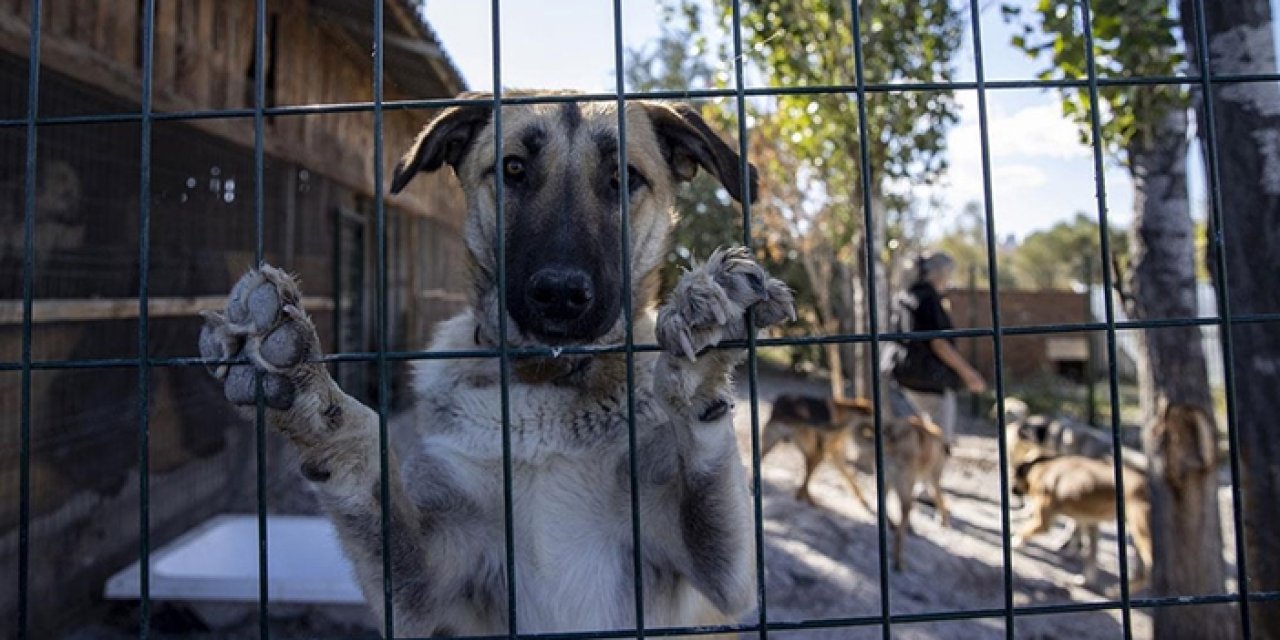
1040,172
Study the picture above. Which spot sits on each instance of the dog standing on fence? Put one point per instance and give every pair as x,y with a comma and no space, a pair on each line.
568,415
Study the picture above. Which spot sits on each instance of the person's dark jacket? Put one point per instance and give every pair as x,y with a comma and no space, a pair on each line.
912,363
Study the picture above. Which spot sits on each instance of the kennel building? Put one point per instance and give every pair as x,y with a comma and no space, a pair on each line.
318,210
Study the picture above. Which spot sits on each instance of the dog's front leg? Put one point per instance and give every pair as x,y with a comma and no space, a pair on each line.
692,384
336,436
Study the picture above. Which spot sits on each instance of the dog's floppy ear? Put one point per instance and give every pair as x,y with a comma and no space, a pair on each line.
444,139
688,142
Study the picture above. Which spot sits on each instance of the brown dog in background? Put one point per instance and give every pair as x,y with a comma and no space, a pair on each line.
820,427
914,448
1084,490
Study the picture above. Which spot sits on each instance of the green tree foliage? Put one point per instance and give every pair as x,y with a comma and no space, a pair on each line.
799,43
707,217
1055,258
1132,38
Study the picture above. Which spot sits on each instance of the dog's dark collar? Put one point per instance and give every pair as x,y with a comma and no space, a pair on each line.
1026,465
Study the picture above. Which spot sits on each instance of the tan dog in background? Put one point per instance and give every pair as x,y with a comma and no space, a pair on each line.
914,448
820,427
1084,490
915,451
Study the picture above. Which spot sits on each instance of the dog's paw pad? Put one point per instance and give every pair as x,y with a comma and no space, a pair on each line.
265,324
241,388
239,385
779,304
257,300
278,391
263,306
285,346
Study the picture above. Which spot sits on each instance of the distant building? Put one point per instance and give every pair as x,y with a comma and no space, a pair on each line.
1065,354
318,212
1028,356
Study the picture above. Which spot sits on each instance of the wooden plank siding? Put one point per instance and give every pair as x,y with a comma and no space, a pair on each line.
203,59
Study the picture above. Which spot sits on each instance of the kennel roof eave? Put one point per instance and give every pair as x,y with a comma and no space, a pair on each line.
414,59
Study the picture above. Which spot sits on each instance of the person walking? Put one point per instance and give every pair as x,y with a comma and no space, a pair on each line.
929,370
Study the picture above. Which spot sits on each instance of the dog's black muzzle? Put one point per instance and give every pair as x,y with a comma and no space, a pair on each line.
560,294
564,303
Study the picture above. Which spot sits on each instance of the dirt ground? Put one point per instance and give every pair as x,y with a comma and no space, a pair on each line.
823,562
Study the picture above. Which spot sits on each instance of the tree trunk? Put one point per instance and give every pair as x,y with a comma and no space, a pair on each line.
1247,128
883,294
851,313
859,318
1185,525
819,267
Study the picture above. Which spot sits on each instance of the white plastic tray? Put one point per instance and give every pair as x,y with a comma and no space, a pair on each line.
218,561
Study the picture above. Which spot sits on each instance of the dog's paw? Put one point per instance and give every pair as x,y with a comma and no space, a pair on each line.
264,322
710,302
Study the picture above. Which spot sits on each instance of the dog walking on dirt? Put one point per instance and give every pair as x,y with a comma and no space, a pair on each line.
574,567
915,449
820,428
1084,490
1029,436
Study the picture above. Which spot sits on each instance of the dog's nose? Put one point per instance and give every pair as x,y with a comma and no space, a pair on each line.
559,293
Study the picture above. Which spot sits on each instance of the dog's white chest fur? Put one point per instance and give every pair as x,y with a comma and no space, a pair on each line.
571,505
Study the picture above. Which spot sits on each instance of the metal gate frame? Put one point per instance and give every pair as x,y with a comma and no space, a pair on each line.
383,357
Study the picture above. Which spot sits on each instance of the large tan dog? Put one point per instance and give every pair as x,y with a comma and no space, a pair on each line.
1084,490
1029,436
568,415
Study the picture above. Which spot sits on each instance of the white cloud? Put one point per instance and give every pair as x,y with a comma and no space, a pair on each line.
1018,177
1009,181
1035,131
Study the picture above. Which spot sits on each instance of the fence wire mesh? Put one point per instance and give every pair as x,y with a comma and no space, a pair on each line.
1204,80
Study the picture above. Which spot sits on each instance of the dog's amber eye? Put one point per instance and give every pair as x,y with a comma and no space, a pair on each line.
513,169
635,179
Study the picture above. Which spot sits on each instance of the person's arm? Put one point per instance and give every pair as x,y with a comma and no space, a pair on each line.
947,353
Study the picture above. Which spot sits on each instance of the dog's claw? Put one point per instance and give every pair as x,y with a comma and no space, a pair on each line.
711,300
687,347
216,343
716,410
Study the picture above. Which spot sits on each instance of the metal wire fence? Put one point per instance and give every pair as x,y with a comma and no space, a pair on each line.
384,356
